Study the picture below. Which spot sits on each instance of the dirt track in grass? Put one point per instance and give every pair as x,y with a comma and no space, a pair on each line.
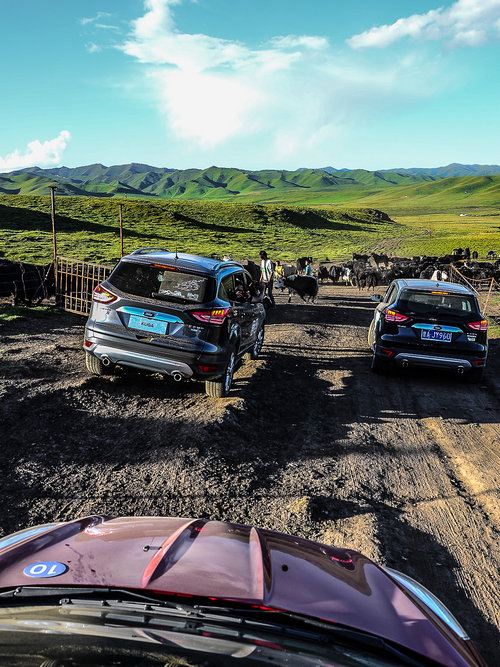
402,467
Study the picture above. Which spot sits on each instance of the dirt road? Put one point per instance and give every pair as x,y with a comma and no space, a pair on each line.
404,467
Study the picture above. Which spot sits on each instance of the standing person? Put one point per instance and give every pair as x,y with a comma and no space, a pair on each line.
308,268
267,276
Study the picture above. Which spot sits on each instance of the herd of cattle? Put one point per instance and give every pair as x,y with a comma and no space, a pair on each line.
32,283
369,271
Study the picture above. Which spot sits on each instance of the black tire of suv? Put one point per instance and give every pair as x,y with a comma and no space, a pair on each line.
371,335
475,375
377,365
95,365
257,346
220,388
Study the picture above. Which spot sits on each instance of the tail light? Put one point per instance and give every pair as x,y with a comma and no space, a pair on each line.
103,296
482,325
393,316
215,316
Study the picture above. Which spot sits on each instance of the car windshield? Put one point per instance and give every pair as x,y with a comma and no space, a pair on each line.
438,302
147,280
122,632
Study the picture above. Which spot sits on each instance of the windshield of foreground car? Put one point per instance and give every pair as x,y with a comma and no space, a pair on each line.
150,280
418,302
120,631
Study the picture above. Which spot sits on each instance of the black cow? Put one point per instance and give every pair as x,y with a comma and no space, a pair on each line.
301,285
368,279
253,269
323,273
475,254
26,283
334,273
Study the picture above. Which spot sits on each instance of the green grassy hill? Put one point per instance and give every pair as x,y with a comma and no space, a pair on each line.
88,228
300,187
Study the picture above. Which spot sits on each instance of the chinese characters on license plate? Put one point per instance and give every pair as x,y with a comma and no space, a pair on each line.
442,336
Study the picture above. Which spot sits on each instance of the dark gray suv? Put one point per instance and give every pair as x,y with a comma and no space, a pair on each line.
181,315
429,324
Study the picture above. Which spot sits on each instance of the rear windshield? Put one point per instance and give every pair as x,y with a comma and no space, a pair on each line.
439,302
148,280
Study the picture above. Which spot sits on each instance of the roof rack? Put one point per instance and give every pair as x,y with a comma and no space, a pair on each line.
145,251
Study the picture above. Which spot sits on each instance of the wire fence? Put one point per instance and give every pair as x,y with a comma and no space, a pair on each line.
487,291
75,282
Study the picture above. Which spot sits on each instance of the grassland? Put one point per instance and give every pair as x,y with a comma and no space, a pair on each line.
88,228
425,218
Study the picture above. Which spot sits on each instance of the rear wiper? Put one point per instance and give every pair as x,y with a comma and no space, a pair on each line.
168,297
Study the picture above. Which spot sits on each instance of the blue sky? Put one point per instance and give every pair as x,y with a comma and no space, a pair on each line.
257,84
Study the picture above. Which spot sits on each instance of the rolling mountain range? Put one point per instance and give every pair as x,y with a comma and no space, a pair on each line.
217,183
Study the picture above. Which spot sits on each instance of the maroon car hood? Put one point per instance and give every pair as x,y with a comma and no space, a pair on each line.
232,562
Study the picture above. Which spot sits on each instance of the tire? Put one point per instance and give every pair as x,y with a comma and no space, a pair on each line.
377,365
475,375
95,365
220,388
371,334
257,346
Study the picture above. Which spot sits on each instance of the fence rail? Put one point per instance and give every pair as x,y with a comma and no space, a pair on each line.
75,282
487,291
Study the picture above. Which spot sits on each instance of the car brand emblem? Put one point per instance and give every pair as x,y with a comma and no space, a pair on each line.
437,328
45,569
148,313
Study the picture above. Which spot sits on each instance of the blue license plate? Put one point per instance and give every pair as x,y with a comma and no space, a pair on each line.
442,336
147,324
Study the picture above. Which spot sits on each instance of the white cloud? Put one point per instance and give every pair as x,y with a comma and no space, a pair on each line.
92,47
292,41
94,19
40,154
292,95
465,22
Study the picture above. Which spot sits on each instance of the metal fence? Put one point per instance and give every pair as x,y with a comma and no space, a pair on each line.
75,282
487,291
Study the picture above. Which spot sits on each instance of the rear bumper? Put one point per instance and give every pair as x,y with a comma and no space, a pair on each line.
133,359
114,351
452,360
405,360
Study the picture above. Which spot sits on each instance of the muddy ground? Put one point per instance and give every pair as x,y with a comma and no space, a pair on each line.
403,467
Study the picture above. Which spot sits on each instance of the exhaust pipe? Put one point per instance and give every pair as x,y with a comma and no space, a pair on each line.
106,361
177,376
460,370
405,363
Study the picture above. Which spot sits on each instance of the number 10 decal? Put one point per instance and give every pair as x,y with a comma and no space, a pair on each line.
47,568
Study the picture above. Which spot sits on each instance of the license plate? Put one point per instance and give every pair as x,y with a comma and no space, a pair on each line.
442,336
146,324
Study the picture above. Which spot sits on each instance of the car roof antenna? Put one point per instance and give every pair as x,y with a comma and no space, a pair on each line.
176,255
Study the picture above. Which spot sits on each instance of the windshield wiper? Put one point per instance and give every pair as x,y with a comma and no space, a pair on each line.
57,593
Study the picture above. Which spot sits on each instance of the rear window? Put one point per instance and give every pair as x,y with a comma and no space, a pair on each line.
150,281
439,302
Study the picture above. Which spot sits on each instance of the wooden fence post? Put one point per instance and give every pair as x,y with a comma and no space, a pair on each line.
121,229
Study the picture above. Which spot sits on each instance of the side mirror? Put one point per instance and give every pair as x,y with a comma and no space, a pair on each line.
376,297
